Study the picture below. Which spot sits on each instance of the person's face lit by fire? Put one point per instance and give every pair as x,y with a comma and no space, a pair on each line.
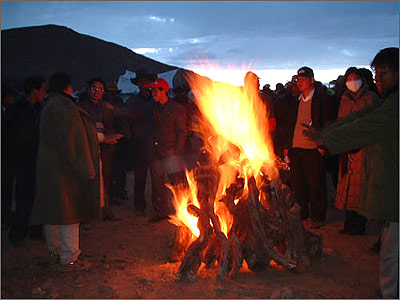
304,84
160,95
386,79
96,91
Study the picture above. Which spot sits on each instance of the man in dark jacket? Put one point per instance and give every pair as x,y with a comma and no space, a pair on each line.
307,178
378,128
8,96
169,146
141,108
22,127
103,118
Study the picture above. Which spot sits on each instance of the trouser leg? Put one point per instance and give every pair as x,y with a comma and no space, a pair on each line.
107,152
389,261
159,189
24,197
52,234
140,170
69,238
313,166
297,183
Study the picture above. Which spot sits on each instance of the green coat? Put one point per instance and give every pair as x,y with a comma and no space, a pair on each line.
67,174
378,128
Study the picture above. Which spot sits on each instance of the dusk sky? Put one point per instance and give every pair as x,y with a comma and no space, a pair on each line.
272,38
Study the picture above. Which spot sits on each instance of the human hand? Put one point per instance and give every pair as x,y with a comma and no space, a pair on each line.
108,105
313,134
113,138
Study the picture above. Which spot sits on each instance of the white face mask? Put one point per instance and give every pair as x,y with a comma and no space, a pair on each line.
354,85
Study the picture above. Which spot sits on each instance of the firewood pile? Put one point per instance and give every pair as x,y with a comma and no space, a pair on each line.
266,226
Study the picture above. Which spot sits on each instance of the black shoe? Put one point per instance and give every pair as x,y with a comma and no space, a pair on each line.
139,213
375,248
316,225
157,218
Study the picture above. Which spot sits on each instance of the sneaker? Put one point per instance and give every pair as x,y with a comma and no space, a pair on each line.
78,265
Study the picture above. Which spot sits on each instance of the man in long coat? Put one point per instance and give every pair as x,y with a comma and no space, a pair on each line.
68,172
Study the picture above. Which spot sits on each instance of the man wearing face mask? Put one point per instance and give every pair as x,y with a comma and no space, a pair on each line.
350,180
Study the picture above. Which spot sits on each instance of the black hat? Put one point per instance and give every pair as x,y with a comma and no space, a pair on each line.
143,73
305,72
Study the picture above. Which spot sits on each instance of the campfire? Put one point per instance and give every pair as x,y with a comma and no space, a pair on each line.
235,207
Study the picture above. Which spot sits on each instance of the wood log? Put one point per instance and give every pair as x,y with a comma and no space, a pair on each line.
192,259
183,238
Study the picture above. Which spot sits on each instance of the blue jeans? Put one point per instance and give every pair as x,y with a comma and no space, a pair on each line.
63,240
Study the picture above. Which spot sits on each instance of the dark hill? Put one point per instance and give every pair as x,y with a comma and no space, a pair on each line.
48,49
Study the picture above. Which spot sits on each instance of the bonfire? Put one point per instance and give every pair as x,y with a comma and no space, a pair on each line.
234,206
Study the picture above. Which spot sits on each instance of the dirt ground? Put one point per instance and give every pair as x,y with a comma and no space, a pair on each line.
129,258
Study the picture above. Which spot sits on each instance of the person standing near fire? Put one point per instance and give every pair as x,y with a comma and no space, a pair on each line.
307,174
377,128
108,137
169,146
356,97
68,173
22,127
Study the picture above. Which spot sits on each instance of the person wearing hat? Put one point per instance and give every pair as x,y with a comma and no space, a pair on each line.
169,146
307,178
141,108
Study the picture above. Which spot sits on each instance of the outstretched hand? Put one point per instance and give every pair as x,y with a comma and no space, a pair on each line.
313,134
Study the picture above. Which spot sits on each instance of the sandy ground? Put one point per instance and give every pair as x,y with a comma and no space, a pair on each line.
129,258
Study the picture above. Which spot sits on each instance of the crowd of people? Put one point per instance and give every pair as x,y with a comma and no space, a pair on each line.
65,158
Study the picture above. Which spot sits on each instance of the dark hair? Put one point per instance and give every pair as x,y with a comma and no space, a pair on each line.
58,82
388,57
352,70
93,80
33,83
369,79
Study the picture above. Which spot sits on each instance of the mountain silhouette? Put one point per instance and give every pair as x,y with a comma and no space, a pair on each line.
44,50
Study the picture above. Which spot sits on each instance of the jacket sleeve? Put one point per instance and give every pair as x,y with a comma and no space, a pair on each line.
181,130
363,128
70,137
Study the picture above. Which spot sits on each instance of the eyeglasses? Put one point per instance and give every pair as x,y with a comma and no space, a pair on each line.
95,88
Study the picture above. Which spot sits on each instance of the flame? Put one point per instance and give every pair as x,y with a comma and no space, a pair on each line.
234,128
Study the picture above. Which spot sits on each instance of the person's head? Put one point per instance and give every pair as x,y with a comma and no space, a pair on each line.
279,87
35,88
159,90
96,89
292,88
368,78
386,67
143,77
251,80
8,95
305,79
112,90
61,83
353,79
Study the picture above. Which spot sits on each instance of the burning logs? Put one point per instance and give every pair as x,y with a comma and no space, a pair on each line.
266,226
